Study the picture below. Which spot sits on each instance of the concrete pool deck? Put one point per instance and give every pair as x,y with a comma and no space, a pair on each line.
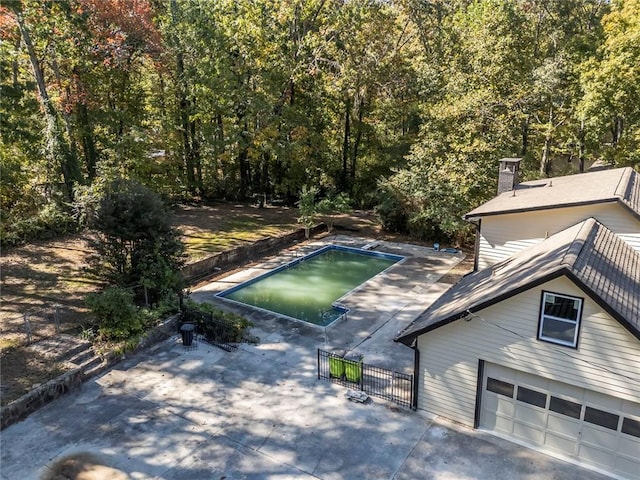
261,413
378,309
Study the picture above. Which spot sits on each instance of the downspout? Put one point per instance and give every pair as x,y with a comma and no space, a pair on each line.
416,374
476,249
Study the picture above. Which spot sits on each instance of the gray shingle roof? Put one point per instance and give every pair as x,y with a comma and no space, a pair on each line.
605,267
620,185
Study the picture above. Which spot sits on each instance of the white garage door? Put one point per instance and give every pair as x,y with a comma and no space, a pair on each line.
593,428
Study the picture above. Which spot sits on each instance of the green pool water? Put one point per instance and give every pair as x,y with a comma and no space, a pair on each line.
307,289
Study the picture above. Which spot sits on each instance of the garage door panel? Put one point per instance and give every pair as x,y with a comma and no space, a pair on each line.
528,432
563,389
532,380
499,404
629,446
503,424
627,467
499,371
595,455
606,401
568,427
632,409
561,444
530,415
599,436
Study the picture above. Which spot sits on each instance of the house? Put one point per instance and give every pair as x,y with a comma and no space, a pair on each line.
525,213
543,347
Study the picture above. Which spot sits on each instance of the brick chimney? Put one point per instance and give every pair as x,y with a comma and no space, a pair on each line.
508,177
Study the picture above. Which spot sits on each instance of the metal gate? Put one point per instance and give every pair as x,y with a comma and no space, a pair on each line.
381,382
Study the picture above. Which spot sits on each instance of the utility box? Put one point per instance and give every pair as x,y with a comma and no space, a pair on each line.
353,367
336,363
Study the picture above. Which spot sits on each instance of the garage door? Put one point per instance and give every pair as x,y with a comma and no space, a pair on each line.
595,429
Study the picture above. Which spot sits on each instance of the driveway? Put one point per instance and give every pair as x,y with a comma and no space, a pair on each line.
252,413
261,412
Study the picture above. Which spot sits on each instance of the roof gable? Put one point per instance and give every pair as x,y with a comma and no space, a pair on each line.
605,267
620,185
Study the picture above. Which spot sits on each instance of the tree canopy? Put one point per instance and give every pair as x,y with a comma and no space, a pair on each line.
406,105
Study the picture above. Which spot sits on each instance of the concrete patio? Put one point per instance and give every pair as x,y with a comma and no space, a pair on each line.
260,412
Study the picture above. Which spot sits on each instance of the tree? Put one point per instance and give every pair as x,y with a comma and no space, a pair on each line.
611,82
137,245
59,149
307,208
331,206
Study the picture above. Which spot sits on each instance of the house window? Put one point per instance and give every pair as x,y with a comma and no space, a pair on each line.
560,319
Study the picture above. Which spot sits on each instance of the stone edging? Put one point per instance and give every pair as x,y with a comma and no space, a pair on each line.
235,257
72,379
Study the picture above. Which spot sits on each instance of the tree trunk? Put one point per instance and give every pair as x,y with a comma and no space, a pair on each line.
525,136
618,126
58,149
345,143
87,139
581,147
356,143
190,152
545,162
243,157
195,155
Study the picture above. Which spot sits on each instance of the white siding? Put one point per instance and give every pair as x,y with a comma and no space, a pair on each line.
503,235
505,334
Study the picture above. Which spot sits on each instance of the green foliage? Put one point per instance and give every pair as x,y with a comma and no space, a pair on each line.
392,210
50,222
117,315
611,82
231,98
216,325
307,206
136,245
331,206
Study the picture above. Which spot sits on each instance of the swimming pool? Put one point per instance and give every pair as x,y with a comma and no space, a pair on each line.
310,287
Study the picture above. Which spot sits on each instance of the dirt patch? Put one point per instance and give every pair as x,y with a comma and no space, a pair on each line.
23,370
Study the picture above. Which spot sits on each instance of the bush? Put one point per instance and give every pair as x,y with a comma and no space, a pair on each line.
392,213
117,315
216,325
50,222
136,243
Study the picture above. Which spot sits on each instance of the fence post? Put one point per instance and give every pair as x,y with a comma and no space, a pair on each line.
27,327
318,363
56,317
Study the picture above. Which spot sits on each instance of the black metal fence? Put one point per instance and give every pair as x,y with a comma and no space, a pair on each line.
385,383
221,333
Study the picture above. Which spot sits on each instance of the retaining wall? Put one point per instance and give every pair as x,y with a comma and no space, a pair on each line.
238,256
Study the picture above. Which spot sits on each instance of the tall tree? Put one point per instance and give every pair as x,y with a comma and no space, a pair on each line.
58,146
611,81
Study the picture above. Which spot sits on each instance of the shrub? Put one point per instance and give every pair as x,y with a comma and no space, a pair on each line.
50,222
392,212
216,325
117,315
136,243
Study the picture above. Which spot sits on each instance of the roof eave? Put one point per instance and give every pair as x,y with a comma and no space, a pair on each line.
409,338
475,216
633,212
